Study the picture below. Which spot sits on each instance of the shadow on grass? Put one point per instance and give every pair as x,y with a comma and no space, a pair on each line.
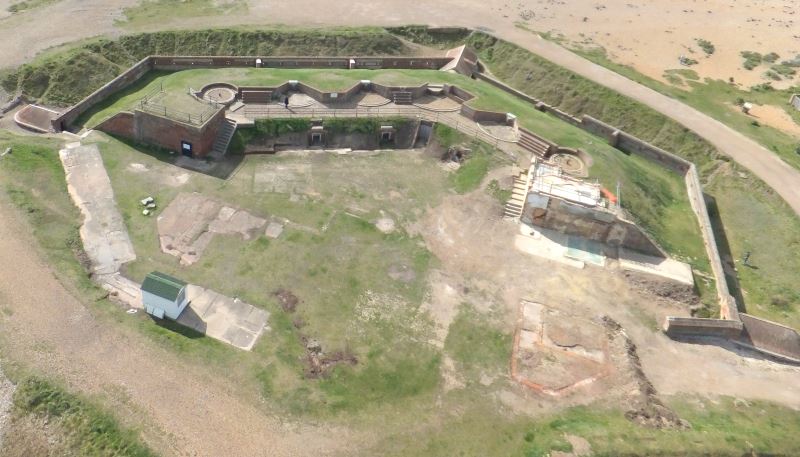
725,254
221,169
180,329
148,78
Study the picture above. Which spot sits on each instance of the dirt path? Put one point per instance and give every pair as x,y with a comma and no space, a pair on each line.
183,409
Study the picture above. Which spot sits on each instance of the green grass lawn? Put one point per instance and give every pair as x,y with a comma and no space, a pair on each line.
719,428
337,267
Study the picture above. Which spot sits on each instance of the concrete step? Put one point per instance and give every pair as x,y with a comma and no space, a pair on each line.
224,137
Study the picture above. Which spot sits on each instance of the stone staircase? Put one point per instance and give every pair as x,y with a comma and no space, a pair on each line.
530,142
224,136
514,205
402,98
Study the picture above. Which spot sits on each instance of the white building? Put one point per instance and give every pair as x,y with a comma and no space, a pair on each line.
795,101
163,295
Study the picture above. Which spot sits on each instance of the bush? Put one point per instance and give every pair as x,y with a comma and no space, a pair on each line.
771,57
751,59
706,46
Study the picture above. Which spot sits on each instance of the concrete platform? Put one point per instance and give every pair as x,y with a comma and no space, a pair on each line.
229,320
665,268
546,244
103,232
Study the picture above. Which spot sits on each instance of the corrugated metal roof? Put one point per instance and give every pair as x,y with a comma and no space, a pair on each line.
163,285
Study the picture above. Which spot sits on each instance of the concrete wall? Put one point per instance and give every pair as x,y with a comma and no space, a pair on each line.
479,115
677,327
632,145
694,189
403,139
594,224
186,62
770,337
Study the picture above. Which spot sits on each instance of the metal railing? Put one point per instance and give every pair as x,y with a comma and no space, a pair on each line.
150,103
177,115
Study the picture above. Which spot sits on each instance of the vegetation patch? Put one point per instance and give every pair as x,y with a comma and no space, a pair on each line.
67,76
476,343
26,5
442,38
276,126
361,124
88,430
148,11
752,59
707,46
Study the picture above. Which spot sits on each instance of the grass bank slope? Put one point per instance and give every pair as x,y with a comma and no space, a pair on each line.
65,77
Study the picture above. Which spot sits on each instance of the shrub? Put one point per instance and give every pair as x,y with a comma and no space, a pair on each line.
751,59
706,46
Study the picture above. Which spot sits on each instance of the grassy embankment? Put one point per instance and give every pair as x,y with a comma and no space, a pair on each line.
64,75
48,420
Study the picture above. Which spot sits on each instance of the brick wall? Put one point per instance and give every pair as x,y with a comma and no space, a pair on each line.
120,124
163,132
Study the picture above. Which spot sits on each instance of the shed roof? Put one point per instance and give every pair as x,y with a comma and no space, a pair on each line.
163,285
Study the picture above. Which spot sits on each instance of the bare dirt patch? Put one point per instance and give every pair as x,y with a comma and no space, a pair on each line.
773,116
287,300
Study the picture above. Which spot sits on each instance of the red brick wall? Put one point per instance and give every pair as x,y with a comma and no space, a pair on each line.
167,133
120,124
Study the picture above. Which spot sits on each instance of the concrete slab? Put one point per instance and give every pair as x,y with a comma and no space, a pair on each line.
274,230
188,224
585,250
666,268
229,320
103,232
546,244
